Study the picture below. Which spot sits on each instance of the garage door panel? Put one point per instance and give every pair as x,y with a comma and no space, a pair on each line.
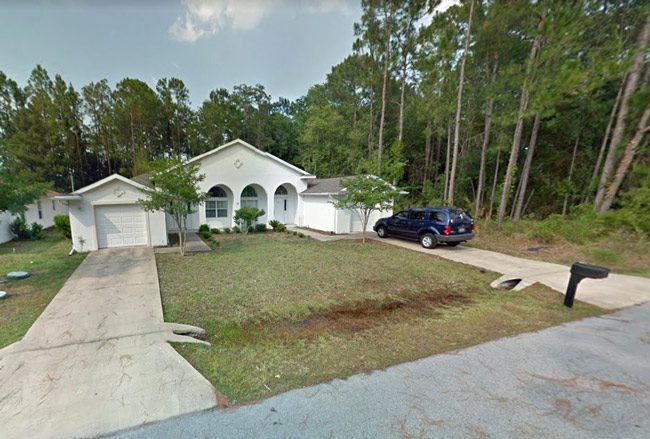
120,226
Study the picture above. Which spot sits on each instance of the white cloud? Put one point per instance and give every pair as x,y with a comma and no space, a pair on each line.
205,18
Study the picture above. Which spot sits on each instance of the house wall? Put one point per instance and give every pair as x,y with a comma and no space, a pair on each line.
319,213
49,209
82,214
236,167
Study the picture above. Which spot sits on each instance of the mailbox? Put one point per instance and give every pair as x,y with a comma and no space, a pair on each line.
580,271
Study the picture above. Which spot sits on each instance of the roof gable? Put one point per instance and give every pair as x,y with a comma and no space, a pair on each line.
255,150
110,178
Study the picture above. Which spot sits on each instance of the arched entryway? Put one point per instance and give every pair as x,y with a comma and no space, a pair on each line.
285,203
219,207
254,195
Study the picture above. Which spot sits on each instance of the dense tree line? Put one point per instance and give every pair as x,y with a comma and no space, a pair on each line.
504,107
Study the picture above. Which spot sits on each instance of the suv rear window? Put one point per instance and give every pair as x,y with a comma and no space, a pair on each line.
459,216
438,216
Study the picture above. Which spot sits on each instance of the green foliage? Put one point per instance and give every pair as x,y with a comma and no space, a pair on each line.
204,228
236,229
62,224
277,226
17,190
227,230
260,228
246,216
205,234
250,229
215,231
22,231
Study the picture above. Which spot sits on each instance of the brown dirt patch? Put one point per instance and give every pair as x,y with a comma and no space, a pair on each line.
359,316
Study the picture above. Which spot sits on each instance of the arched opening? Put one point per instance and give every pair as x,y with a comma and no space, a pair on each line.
218,206
285,204
254,195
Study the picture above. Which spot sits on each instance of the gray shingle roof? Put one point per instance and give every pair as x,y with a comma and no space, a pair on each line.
143,179
325,185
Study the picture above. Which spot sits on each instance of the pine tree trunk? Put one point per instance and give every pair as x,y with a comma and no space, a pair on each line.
523,106
603,145
427,154
626,161
459,100
447,162
621,122
526,170
383,99
437,159
494,184
400,133
573,162
484,147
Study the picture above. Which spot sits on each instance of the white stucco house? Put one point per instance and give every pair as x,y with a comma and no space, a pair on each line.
107,213
42,211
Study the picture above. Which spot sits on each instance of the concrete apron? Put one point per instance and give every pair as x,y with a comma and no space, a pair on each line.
617,291
98,359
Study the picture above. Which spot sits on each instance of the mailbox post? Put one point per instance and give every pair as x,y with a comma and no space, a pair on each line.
580,271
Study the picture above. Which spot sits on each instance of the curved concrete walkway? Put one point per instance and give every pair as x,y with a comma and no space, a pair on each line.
98,359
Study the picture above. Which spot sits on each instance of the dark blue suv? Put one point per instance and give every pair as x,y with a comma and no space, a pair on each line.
429,225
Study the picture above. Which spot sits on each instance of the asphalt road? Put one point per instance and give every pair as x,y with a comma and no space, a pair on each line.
589,378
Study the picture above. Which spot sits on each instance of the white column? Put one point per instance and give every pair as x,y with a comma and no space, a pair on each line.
270,201
236,203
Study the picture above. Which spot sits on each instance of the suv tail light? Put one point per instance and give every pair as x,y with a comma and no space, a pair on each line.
473,227
447,230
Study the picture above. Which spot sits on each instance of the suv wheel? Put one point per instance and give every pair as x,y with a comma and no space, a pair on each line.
381,232
428,240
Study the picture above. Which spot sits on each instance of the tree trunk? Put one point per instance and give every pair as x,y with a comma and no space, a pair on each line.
427,154
400,133
603,145
484,147
371,129
526,170
459,99
437,160
573,162
523,106
626,161
383,99
494,184
447,162
619,128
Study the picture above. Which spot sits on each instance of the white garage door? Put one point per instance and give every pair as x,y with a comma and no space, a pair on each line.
120,226
356,222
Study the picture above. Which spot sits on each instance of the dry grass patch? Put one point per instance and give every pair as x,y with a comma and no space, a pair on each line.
283,312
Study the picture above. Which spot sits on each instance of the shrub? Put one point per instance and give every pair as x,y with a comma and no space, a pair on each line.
62,224
246,216
205,234
250,229
236,229
36,231
260,228
204,228
281,228
19,229
215,231
301,235
227,230
294,233
277,226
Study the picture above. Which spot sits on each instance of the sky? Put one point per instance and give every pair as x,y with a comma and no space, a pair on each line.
285,45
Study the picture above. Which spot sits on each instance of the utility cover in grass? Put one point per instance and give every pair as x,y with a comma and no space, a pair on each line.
3,294
18,275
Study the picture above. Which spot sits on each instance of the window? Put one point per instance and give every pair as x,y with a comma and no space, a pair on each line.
402,215
416,215
222,209
53,205
217,192
438,217
249,192
40,212
281,190
285,205
210,209
249,203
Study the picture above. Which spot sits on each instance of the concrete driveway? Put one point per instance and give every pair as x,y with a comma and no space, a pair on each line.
98,359
585,379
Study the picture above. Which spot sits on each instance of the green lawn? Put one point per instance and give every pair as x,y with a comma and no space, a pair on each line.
283,312
50,266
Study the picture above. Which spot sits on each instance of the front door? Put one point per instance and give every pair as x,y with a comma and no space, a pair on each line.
281,208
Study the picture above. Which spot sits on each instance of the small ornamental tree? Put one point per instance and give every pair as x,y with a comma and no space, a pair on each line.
175,191
17,191
364,194
246,216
